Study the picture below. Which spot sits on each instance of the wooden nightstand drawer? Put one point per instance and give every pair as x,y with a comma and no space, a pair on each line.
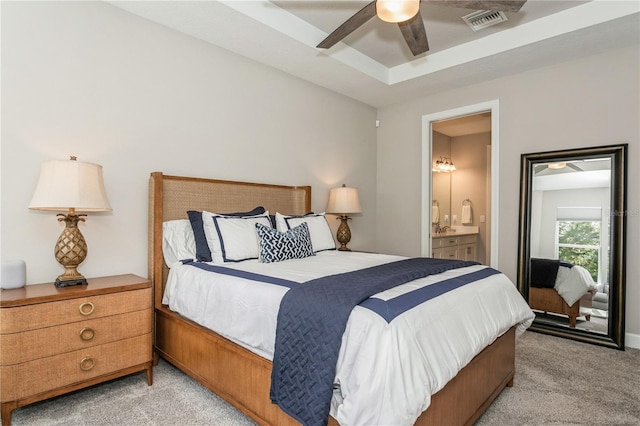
43,374
29,345
39,315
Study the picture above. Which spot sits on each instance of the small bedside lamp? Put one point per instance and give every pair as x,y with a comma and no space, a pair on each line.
74,186
343,201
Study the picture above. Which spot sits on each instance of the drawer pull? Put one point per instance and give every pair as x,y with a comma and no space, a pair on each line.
87,363
87,333
86,308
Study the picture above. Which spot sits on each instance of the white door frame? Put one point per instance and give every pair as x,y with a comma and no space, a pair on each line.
427,161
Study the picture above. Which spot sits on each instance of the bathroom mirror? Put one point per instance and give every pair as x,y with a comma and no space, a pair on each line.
571,260
441,198
441,182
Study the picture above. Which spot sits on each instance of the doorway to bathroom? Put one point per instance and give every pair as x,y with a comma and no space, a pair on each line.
460,203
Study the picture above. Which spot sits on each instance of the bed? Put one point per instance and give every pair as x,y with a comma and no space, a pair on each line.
243,377
561,288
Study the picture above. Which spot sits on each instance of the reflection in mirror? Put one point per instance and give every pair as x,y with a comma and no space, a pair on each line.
570,204
571,242
441,182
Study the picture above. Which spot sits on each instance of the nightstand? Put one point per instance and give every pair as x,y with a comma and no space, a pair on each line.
58,340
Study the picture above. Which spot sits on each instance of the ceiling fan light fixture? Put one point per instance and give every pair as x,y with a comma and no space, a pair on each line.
397,10
557,166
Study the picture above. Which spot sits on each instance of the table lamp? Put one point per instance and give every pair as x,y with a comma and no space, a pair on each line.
343,201
71,186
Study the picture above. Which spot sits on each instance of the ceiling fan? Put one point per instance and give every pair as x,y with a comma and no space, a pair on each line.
406,13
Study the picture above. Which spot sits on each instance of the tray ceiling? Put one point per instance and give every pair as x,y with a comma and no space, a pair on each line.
373,64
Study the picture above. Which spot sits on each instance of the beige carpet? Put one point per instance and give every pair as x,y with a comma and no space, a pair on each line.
562,382
558,382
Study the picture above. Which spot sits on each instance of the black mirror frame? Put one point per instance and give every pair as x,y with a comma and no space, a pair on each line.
617,268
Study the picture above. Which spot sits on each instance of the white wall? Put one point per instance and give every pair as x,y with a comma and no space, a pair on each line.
581,103
88,79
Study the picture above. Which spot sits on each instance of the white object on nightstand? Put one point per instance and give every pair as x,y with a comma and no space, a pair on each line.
14,274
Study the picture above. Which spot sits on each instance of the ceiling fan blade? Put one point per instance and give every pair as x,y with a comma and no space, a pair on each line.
540,168
502,5
414,34
574,167
350,25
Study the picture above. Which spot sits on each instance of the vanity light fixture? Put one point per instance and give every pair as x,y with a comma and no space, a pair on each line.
444,164
343,201
70,186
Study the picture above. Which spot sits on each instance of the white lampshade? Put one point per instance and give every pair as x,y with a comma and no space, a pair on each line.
344,200
70,184
397,10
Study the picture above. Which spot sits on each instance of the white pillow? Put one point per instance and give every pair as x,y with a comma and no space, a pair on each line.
178,242
246,244
321,236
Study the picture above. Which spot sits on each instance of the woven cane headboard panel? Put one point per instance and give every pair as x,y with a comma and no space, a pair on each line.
171,196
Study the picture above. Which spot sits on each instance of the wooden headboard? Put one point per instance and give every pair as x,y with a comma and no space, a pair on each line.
171,196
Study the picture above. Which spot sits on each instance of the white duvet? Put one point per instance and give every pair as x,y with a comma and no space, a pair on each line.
386,372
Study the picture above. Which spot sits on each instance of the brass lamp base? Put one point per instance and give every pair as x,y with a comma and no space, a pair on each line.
71,250
344,233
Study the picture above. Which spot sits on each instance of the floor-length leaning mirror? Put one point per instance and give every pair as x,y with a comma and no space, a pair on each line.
571,260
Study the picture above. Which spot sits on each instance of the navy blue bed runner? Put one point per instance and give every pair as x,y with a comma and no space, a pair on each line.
312,319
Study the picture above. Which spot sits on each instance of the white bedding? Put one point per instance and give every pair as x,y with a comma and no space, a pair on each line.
386,372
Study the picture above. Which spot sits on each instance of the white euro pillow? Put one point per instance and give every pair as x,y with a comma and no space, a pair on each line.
321,236
245,245
178,241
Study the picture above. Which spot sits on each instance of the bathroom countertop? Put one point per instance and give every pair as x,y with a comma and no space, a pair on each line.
457,231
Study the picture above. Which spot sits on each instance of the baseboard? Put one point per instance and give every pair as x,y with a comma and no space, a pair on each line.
632,340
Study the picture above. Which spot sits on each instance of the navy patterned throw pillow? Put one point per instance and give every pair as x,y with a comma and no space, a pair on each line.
276,246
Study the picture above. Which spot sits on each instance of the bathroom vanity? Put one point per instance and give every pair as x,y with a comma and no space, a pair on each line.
459,244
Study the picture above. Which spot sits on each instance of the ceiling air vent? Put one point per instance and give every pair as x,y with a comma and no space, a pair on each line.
484,18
